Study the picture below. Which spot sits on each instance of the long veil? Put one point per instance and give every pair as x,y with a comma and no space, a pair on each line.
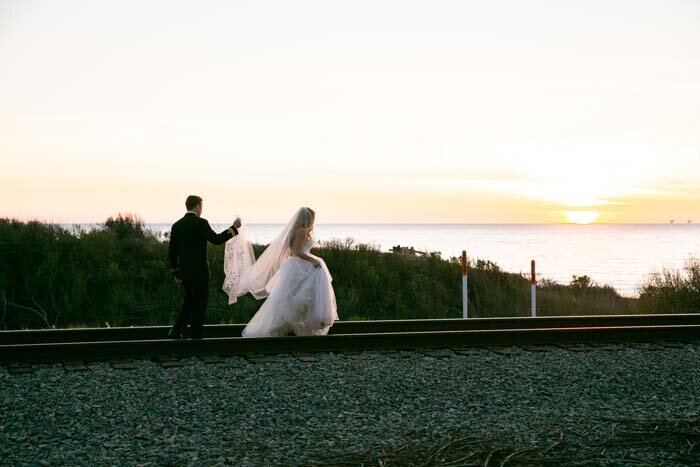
246,275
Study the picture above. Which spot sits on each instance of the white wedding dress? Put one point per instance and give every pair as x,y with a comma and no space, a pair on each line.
300,296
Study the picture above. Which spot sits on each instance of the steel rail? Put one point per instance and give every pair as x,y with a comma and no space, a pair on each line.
353,327
106,350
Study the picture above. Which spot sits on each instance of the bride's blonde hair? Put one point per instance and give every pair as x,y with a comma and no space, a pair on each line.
306,219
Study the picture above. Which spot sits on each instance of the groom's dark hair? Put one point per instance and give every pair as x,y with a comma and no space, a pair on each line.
192,201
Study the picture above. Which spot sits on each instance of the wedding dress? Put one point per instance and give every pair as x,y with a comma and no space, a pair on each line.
300,296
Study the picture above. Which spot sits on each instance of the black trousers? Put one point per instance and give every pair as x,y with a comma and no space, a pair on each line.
194,307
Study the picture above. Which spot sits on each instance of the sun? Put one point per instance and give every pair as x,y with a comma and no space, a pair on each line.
582,217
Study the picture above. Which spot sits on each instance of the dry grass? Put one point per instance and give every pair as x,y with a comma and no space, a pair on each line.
610,442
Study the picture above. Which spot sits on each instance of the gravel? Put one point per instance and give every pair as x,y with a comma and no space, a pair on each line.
350,409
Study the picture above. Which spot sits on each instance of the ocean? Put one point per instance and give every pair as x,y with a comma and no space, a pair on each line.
619,255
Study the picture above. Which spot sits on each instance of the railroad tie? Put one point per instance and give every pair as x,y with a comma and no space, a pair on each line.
467,351
576,347
671,345
435,353
168,361
391,354
123,364
508,351
20,368
304,357
535,348
646,346
78,365
254,357
611,347
212,359
355,355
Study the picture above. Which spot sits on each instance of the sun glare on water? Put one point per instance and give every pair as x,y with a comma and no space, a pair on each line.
582,217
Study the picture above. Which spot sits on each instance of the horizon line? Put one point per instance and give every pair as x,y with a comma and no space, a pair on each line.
216,222
398,223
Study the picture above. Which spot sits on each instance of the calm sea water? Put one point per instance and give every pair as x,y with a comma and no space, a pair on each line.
619,255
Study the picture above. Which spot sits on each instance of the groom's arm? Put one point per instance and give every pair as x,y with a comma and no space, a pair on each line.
223,237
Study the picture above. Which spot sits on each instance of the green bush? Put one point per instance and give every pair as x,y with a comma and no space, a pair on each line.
582,297
673,291
118,275
51,277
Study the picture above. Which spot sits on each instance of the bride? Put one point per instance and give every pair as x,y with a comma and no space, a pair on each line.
297,284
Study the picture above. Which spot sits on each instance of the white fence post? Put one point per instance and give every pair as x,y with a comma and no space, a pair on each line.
533,288
465,294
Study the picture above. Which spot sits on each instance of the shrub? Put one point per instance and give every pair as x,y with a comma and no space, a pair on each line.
118,275
672,291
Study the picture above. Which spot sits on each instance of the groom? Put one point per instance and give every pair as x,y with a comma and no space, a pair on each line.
188,262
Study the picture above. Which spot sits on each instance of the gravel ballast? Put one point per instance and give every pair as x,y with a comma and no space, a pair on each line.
596,407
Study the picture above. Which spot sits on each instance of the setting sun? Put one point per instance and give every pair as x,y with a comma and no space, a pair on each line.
582,217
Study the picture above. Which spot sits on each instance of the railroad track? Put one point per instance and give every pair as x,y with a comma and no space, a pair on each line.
111,343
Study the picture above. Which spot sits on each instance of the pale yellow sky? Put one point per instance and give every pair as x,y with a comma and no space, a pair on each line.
368,111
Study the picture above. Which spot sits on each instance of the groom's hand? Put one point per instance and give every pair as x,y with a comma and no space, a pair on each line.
237,222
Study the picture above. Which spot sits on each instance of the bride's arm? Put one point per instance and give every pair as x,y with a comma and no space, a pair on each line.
298,247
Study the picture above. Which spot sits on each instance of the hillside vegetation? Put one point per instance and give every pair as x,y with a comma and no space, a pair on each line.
118,275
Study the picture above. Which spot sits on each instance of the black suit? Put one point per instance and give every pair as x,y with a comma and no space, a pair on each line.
188,261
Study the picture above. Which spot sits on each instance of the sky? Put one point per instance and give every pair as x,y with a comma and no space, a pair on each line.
368,111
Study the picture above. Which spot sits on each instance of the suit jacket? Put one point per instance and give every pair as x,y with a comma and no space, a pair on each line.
187,252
